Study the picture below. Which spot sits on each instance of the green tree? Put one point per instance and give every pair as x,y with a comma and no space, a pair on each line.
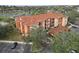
39,38
65,42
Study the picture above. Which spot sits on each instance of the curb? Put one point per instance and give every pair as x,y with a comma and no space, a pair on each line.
15,41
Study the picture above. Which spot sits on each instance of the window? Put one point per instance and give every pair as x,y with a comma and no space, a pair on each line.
51,22
47,23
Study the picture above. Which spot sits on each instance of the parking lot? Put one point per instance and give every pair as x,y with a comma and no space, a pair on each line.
20,48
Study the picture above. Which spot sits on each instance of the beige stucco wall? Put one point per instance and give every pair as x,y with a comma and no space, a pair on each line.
55,22
64,21
25,29
21,27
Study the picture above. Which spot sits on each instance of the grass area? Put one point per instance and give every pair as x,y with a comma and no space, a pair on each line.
13,37
4,18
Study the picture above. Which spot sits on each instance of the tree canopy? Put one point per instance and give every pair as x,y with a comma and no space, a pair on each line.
65,42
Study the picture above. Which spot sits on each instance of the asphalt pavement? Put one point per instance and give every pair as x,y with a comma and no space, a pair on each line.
20,48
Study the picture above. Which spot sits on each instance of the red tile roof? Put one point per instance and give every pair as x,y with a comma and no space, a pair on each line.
30,20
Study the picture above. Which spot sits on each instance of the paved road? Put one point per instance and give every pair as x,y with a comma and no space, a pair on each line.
74,28
6,48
